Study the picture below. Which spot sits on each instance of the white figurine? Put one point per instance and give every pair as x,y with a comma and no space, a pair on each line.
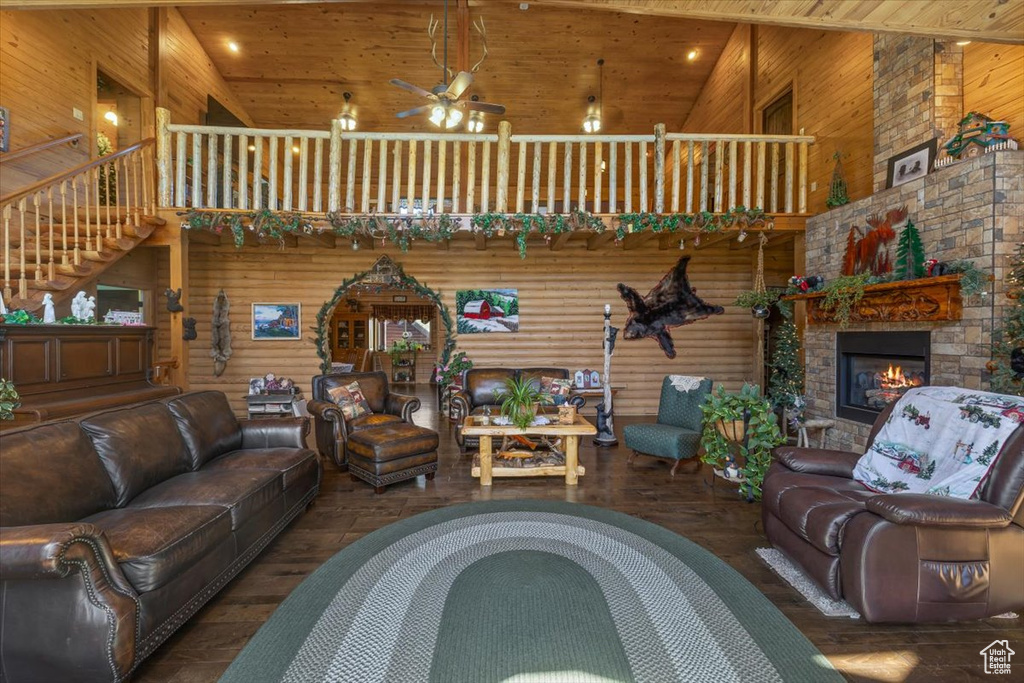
48,314
89,309
3,306
76,306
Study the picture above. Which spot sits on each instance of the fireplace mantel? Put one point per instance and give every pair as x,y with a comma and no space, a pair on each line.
932,299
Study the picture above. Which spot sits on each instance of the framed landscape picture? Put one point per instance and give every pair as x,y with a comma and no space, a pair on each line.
276,321
487,310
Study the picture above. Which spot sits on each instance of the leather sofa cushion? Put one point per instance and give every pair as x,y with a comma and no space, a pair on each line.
484,384
154,545
207,424
818,515
243,492
392,441
664,441
780,480
50,473
292,463
370,420
139,447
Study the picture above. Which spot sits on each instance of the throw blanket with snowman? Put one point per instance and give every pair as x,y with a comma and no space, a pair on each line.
939,440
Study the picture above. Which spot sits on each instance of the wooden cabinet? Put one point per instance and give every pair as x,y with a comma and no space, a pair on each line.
349,331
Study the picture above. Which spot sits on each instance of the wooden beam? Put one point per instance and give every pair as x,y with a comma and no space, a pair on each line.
158,54
596,241
205,237
322,239
481,241
710,240
180,280
559,241
444,245
637,240
462,23
669,241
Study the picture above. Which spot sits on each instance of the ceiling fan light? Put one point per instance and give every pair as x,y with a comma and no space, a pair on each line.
475,123
437,115
348,121
591,123
454,118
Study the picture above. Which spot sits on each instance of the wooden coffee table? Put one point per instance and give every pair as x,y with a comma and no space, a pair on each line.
483,463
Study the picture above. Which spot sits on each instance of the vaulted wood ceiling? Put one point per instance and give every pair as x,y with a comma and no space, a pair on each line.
295,61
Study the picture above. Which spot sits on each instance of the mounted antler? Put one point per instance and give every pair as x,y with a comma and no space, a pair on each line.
432,26
482,30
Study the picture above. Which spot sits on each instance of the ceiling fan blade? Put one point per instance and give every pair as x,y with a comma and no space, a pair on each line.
459,85
414,112
485,107
410,87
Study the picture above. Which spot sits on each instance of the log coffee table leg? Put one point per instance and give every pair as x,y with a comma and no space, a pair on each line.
485,460
572,458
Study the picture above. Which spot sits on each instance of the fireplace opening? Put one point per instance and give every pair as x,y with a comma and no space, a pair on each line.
874,369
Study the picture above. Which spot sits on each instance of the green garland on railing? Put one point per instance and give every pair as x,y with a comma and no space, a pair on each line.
400,230
405,282
522,225
702,221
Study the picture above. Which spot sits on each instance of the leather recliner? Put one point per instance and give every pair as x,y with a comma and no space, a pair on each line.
900,557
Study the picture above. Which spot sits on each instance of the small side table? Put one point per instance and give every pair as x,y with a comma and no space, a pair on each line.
824,425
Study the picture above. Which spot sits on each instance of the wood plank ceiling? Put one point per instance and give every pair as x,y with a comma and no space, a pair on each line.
295,61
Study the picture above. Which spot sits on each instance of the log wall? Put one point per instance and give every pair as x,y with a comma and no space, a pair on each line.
562,296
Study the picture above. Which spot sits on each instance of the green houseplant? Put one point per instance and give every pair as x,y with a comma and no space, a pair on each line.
519,401
9,399
759,303
842,296
740,432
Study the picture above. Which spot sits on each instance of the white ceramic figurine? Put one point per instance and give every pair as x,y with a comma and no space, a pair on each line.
48,315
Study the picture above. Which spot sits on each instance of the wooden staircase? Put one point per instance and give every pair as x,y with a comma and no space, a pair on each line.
66,230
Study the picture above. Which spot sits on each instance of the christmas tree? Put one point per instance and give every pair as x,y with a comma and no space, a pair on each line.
786,384
837,195
909,254
1008,347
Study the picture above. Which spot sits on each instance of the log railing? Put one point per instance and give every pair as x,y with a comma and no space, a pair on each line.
359,173
52,225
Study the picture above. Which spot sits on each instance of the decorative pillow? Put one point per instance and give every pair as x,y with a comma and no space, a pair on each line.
554,391
350,399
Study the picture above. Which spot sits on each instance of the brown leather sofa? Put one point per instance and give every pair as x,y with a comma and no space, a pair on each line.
332,430
900,557
481,388
116,527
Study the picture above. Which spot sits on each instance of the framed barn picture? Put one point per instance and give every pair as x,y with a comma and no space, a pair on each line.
276,321
487,310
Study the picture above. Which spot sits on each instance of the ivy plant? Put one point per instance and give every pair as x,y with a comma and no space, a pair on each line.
753,455
9,399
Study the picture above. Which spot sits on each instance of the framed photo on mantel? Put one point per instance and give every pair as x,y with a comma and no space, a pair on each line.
910,165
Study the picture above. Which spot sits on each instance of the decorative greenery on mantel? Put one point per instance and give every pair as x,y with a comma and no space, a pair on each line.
403,230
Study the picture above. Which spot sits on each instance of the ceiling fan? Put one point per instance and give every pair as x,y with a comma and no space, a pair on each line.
445,107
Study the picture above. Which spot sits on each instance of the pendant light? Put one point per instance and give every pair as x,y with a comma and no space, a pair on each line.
592,121
347,118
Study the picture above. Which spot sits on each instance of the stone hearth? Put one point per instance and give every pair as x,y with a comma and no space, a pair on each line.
969,210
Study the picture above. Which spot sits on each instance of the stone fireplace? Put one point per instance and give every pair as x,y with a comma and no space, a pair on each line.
968,210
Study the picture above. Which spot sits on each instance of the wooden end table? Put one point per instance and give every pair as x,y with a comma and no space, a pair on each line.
483,465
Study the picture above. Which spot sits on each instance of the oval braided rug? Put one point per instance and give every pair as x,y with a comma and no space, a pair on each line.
527,592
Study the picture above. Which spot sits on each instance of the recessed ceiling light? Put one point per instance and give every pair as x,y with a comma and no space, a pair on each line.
233,46
963,42
691,55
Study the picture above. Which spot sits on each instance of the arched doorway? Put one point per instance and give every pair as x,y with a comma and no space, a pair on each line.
384,275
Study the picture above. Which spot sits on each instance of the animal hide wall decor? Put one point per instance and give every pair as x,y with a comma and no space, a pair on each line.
220,334
869,252
671,303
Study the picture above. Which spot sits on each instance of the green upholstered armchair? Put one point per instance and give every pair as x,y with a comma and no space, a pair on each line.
676,434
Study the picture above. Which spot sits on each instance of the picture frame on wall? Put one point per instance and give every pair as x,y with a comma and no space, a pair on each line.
278,322
5,129
912,164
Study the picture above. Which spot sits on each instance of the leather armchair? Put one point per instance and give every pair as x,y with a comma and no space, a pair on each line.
330,426
900,557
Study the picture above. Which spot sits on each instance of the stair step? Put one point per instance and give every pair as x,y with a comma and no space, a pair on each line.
57,284
70,269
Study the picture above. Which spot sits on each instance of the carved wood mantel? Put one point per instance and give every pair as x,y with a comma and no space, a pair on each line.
933,299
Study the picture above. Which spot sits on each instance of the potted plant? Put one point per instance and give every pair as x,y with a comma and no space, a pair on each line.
759,303
740,431
9,399
519,401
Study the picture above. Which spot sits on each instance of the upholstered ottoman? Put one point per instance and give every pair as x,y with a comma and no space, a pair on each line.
392,452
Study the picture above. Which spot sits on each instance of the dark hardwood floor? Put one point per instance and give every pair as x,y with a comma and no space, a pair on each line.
713,517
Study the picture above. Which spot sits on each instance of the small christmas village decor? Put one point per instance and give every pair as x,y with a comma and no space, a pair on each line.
977,134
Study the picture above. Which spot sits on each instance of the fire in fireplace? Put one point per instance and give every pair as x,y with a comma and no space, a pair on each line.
873,369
